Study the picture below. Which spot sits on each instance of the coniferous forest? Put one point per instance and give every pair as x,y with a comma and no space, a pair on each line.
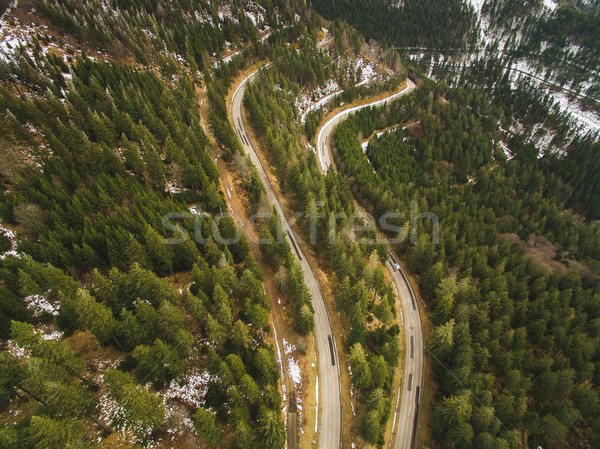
149,296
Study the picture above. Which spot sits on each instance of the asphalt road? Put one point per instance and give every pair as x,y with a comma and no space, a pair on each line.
406,416
326,130
406,419
330,412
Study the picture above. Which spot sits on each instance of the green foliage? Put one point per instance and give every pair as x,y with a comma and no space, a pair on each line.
271,431
377,412
82,311
414,23
159,362
142,411
11,374
353,258
206,426
48,433
116,147
505,331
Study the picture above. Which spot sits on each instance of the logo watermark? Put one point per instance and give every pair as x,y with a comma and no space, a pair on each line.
391,227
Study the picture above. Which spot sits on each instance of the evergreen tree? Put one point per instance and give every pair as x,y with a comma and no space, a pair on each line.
206,426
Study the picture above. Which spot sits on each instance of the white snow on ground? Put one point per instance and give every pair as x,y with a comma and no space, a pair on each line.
228,58
49,333
293,366
484,34
589,121
54,335
39,304
148,33
543,139
103,365
195,210
318,104
505,149
11,235
267,34
110,411
257,16
8,45
585,121
190,388
305,104
294,371
225,13
367,71
279,361
17,351
172,188
14,33
12,5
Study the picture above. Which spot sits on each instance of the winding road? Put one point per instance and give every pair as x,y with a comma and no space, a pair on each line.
405,423
406,417
329,380
326,130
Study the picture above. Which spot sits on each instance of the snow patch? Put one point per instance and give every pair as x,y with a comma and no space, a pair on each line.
190,388
39,304
364,146
279,361
50,334
17,351
505,149
294,373
12,237
307,102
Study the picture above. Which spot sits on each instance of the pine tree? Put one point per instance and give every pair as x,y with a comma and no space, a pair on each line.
222,305
11,374
265,364
240,336
47,433
271,429
343,296
140,410
205,424
89,314
160,253
361,373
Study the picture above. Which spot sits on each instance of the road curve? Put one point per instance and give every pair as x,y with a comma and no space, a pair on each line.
326,130
329,374
406,418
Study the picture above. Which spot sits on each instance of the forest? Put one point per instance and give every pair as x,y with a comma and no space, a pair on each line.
560,46
101,321
414,23
112,124
362,292
514,343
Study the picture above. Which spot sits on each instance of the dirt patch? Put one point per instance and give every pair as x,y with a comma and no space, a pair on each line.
415,129
541,250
